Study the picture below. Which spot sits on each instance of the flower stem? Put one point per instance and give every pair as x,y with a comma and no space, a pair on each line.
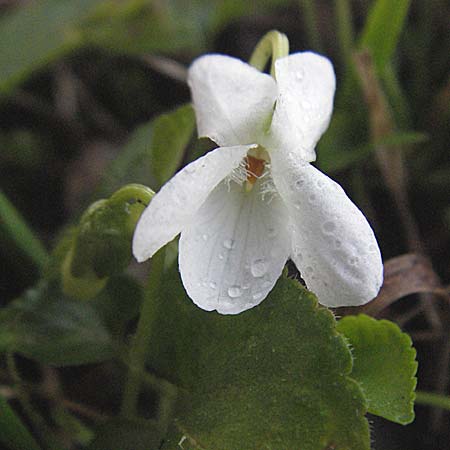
431,399
272,45
141,338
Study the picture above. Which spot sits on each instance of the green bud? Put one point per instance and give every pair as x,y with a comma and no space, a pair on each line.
101,246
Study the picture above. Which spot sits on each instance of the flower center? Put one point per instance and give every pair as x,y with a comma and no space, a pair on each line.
255,163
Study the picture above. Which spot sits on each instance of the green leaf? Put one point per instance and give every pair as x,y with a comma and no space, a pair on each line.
52,329
273,377
122,434
13,432
155,150
18,230
34,35
142,26
384,365
382,29
171,134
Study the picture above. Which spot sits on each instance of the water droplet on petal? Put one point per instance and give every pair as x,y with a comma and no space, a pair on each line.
213,285
306,104
353,261
229,244
190,168
234,291
205,237
312,198
257,296
221,256
299,183
299,74
328,227
258,268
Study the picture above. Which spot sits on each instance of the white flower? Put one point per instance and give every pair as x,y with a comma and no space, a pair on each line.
243,209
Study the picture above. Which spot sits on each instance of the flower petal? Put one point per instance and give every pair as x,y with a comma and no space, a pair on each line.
233,101
234,250
306,85
333,245
180,198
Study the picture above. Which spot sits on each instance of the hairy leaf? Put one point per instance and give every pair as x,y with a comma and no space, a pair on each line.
384,365
273,377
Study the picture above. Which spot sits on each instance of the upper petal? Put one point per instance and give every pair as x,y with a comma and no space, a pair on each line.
233,101
306,85
333,245
179,199
234,250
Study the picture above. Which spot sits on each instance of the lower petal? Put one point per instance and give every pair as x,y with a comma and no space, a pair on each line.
235,249
333,245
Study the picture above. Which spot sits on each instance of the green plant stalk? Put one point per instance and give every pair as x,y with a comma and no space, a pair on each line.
431,399
141,339
38,422
272,45
21,233
310,20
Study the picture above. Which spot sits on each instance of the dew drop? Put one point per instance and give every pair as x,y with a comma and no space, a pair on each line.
306,104
213,285
299,183
299,74
189,169
234,291
205,237
298,255
221,256
229,244
328,227
353,261
258,268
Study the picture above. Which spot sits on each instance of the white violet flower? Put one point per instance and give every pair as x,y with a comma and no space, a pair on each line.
246,207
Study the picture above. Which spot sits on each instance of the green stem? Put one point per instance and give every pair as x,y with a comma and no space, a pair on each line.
312,31
272,45
20,232
141,339
39,424
431,399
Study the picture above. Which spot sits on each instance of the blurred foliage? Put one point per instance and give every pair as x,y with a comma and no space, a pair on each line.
93,96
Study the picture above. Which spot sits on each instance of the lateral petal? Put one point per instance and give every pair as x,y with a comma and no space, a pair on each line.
333,245
179,199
